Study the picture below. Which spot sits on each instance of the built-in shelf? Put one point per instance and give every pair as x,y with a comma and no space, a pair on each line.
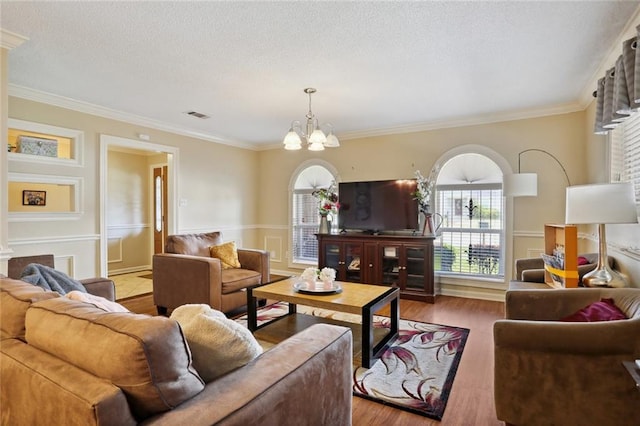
23,136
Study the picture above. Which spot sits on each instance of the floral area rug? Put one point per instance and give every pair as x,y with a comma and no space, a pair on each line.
415,373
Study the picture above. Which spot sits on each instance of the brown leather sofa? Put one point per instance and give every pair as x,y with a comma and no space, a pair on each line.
186,273
102,287
65,362
548,372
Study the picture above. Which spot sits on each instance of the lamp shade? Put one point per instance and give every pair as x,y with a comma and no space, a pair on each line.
292,140
520,185
332,141
601,203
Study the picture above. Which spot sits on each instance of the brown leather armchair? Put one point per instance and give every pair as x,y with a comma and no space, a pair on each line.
103,287
548,372
186,273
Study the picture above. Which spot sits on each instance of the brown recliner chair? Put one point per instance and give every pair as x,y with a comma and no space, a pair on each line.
186,273
548,372
103,287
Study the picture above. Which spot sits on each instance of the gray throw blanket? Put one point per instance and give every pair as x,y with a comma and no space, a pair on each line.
50,279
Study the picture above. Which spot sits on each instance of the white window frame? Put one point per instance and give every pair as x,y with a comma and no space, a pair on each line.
500,232
291,262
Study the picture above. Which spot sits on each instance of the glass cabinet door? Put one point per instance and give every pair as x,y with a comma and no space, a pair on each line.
352,257
332,256
415,260
390,265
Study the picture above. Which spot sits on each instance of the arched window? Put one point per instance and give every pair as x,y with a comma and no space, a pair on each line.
304,210
469,198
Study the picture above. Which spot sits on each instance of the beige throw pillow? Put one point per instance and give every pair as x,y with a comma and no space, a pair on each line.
227,253
218,344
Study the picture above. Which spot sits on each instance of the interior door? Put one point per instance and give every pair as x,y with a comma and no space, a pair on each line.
159,208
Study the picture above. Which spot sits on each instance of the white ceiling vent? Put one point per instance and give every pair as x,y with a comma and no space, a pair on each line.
197,114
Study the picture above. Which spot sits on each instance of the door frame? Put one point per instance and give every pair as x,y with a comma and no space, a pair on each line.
107,141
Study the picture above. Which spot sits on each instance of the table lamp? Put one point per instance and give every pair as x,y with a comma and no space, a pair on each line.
601,204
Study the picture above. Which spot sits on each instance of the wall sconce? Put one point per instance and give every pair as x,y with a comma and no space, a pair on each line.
526,184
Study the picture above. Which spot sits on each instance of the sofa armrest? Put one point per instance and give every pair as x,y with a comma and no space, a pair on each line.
533,275
103,287
255,260
304,380
179,279
528,263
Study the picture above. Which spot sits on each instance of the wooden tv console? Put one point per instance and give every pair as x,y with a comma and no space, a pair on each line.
401,261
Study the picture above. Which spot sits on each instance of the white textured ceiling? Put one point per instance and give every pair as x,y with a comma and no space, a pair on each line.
379,67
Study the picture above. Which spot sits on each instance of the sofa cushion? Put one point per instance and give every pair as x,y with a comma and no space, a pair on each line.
193,244
218,344
39,388
237,279
147,357
604,310
227,253
15,298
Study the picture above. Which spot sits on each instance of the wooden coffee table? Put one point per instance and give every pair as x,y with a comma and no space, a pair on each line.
360,299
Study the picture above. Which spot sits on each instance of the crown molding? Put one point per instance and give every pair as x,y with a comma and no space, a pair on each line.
85,107
465,122
10,40
88,108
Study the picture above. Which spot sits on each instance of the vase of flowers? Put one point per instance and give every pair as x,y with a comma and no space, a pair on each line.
327,205
314,277
422,194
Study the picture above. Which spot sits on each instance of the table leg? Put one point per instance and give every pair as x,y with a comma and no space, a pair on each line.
394,315
252,314
367,337
371,352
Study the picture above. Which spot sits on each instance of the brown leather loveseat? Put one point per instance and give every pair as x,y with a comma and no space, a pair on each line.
186,273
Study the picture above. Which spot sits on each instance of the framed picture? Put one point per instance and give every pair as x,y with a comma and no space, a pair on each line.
34,198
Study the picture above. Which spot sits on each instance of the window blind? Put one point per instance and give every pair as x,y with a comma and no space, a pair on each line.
625,153
304,226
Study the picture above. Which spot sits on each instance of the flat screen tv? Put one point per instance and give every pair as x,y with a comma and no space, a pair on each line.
378,206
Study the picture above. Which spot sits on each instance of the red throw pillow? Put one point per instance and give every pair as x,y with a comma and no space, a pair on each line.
604,310
582,261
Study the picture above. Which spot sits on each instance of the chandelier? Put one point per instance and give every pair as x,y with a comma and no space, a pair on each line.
315,137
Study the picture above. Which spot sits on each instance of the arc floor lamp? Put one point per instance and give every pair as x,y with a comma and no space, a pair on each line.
526,184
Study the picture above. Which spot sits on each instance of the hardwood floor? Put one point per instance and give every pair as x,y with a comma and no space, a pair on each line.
471,398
